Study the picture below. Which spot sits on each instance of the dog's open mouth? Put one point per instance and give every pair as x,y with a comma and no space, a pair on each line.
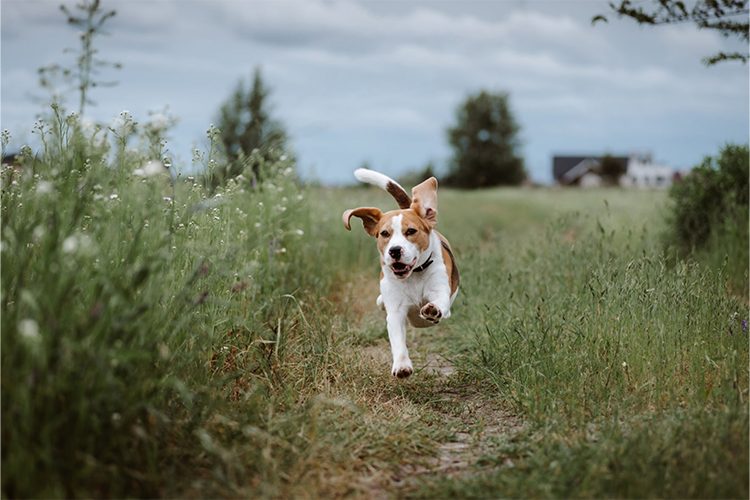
400,269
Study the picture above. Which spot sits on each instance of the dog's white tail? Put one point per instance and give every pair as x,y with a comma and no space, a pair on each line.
386,183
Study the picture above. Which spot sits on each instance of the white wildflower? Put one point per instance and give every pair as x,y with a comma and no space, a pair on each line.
300,232
113,197
151,168
29,329
70,244
44,187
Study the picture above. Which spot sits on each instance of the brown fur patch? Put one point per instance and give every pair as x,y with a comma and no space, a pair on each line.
450,263
410,220
399,194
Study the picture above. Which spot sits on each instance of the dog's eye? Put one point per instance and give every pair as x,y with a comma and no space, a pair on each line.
410,231
384,234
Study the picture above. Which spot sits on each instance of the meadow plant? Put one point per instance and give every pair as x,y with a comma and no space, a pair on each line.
618,332
631,372
137,304
708,218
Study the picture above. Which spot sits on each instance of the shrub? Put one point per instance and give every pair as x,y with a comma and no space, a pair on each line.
715,190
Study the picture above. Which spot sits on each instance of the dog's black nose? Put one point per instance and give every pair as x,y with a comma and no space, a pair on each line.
395,252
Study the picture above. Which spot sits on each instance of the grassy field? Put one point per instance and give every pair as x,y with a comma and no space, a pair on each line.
160,339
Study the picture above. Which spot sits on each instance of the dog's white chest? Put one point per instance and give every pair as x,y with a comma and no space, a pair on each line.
407,297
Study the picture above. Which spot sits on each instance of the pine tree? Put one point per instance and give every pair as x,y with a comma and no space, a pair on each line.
246,125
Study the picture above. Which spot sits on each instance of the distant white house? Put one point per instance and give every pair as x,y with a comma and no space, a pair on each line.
642,172
585,171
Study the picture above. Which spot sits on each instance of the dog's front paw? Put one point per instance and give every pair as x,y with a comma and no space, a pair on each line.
402,369
431,313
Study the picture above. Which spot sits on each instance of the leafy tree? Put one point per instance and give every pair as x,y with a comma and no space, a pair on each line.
611,169
728,17
485,143
90,23
246,125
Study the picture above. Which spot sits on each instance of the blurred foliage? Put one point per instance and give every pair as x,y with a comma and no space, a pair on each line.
124,282
728,17
715,190
485,143
612,169
246,128
710,216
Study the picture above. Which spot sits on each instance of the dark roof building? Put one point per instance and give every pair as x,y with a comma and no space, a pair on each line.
567,169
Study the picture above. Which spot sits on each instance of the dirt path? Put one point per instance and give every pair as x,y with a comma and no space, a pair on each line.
475,423
436,395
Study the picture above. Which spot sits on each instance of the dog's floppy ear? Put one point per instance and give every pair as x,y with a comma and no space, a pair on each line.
370,218
424,202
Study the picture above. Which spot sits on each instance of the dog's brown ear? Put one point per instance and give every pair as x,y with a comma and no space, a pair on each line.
424,202
370,219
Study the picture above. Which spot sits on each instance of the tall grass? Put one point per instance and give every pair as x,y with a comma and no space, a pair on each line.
589,330
631,373
161,338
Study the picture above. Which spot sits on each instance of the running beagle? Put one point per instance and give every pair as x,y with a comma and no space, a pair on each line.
419,277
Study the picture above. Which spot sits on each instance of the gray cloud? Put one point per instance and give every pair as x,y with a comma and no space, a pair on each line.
380,81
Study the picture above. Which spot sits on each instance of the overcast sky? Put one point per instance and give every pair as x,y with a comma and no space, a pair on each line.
380,81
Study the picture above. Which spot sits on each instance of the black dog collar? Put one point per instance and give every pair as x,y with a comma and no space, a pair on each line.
423,266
